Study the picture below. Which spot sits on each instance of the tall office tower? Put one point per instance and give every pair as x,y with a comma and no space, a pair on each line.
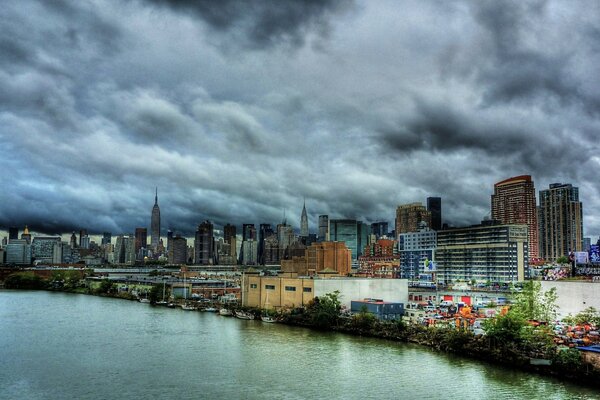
73,241
82,233
155,224
26,235
124,250
18,251
264,231
271,250
203,244
587,244
513,202
304,222
248,232
410,216
560,221
250,252
229,235
13,233
379,229
323,228
106,238
141,239
434,206
285,237
170,239
84,242
353,233
177,250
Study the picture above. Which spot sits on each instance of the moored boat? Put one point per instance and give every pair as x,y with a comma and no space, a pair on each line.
267,318
225,312
187,307
243,315
210,309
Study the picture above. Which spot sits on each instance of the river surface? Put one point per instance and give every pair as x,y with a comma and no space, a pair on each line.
68,346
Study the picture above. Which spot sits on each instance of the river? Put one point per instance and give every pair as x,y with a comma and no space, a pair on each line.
68,346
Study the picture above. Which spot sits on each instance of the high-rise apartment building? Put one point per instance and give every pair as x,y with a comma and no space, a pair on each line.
488,252
513,202
230,238
264,231
410,216
560,221
379,229
177,253
304,222
155,224
323,228
203,244
415,248
434,206
124,250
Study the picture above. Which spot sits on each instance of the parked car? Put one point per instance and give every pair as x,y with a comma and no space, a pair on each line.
446,303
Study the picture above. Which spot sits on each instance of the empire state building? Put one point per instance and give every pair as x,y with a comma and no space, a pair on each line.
155,223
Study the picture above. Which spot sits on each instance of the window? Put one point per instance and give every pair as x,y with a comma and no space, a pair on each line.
290,288
270,287
307,290
253,286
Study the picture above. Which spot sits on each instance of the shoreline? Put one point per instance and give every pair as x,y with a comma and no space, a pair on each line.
455,342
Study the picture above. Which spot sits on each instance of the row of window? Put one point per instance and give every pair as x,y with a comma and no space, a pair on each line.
287,288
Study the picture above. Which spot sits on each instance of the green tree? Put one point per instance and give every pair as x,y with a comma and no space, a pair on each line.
562,260
505,328
106,286
24,280
325,310
588,316
534,304
156,293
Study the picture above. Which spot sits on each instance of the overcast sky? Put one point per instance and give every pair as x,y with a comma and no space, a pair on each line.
238,110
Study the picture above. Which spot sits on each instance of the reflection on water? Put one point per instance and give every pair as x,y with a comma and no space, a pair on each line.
56,345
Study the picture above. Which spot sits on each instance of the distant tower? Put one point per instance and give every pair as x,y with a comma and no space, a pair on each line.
155,223
323,228
304,222
434,206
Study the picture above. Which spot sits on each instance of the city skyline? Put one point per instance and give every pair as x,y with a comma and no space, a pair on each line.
238,112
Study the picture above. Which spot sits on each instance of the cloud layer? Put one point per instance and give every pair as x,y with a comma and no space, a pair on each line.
239,110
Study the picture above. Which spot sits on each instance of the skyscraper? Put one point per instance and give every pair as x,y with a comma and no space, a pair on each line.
265,230
13,233
379,229
229,235
513,202
141,239
203,245
434,206
304,222
352,232
106,238
560,221
410,216
323,228
155,223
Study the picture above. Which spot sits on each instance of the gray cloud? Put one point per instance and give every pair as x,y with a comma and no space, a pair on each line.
104,100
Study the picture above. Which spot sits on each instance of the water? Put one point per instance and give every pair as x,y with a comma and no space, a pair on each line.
66,346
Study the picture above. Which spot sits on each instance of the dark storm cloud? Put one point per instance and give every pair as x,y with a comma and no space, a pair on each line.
101,101
263,23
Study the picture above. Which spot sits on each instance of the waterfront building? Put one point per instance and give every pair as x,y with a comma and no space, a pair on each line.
379,229
124,250
18,252
155,224
560,221
415,250
382,310
141,241
177,252
42,248
488,252
13,233
203,244
434,206
304,222
353,233
277,292
513,202
323,235
410,216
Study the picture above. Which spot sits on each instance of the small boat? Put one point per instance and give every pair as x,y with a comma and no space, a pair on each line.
187,307
144,300
171,305
267,318
162,303
243,315
225,312
210,309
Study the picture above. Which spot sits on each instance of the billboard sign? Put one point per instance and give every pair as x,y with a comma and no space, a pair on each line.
594,254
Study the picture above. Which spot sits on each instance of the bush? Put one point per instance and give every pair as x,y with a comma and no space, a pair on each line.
24,280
